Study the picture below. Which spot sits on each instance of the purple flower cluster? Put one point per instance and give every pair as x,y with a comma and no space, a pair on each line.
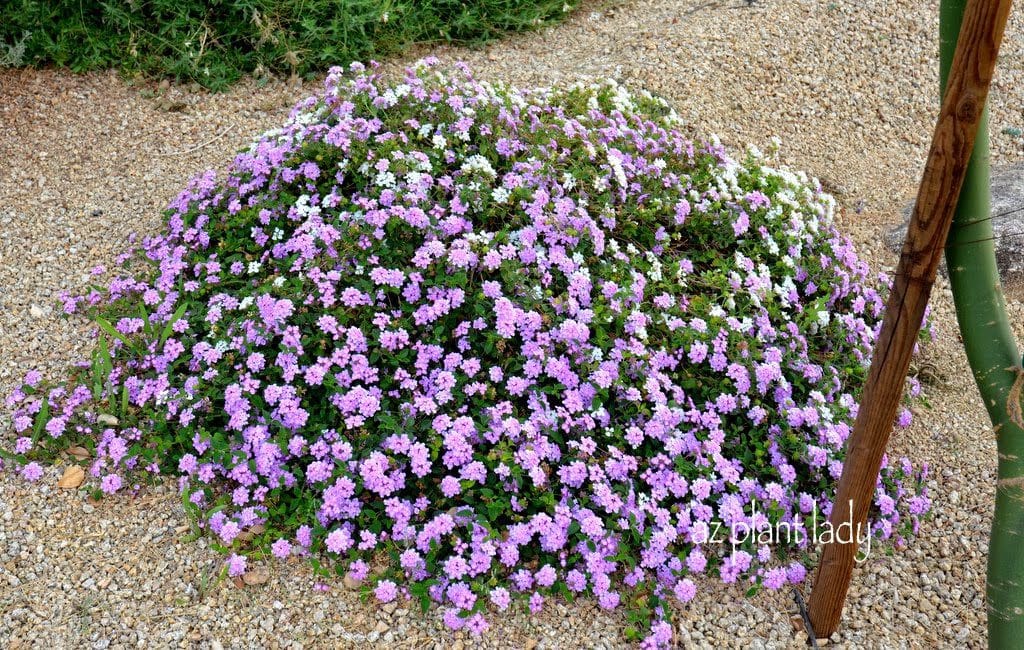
516,344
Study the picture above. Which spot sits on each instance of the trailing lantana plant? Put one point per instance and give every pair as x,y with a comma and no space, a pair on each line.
473,345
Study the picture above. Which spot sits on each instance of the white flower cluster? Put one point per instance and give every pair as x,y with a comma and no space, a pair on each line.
655,272
304,209
615,162
477,164
500,194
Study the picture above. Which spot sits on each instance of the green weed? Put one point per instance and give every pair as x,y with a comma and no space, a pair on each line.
214,43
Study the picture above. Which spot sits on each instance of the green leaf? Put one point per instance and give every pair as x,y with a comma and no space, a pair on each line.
147,327
112,331
107,363
178,313
41,419
97,382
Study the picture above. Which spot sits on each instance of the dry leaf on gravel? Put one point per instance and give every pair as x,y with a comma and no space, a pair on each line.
249,533
79,453
171,106
73,477
255,577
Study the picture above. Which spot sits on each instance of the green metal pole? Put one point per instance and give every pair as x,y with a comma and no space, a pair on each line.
992,352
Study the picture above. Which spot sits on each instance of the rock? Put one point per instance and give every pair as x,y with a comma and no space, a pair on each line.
1007,225
350,582
256,576
106,419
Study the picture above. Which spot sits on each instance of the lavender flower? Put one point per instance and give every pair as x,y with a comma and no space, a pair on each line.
534,341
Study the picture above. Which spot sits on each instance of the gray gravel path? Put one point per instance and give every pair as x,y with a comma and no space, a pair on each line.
850,89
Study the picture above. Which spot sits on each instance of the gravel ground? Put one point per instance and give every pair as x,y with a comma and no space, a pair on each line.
850,89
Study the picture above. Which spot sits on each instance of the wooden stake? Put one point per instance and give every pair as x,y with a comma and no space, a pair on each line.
973,64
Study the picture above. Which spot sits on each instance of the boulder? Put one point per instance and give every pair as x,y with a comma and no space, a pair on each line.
1007,212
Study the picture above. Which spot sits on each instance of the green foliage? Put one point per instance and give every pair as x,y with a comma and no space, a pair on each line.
215,42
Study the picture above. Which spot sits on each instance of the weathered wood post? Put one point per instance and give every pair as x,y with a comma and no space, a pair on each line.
952,142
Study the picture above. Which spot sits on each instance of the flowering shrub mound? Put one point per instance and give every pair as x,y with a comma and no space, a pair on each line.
479,345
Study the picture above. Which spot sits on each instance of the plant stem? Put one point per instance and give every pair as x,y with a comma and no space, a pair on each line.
992,352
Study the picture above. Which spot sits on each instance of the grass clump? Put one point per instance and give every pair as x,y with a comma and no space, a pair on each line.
475,346
214,43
